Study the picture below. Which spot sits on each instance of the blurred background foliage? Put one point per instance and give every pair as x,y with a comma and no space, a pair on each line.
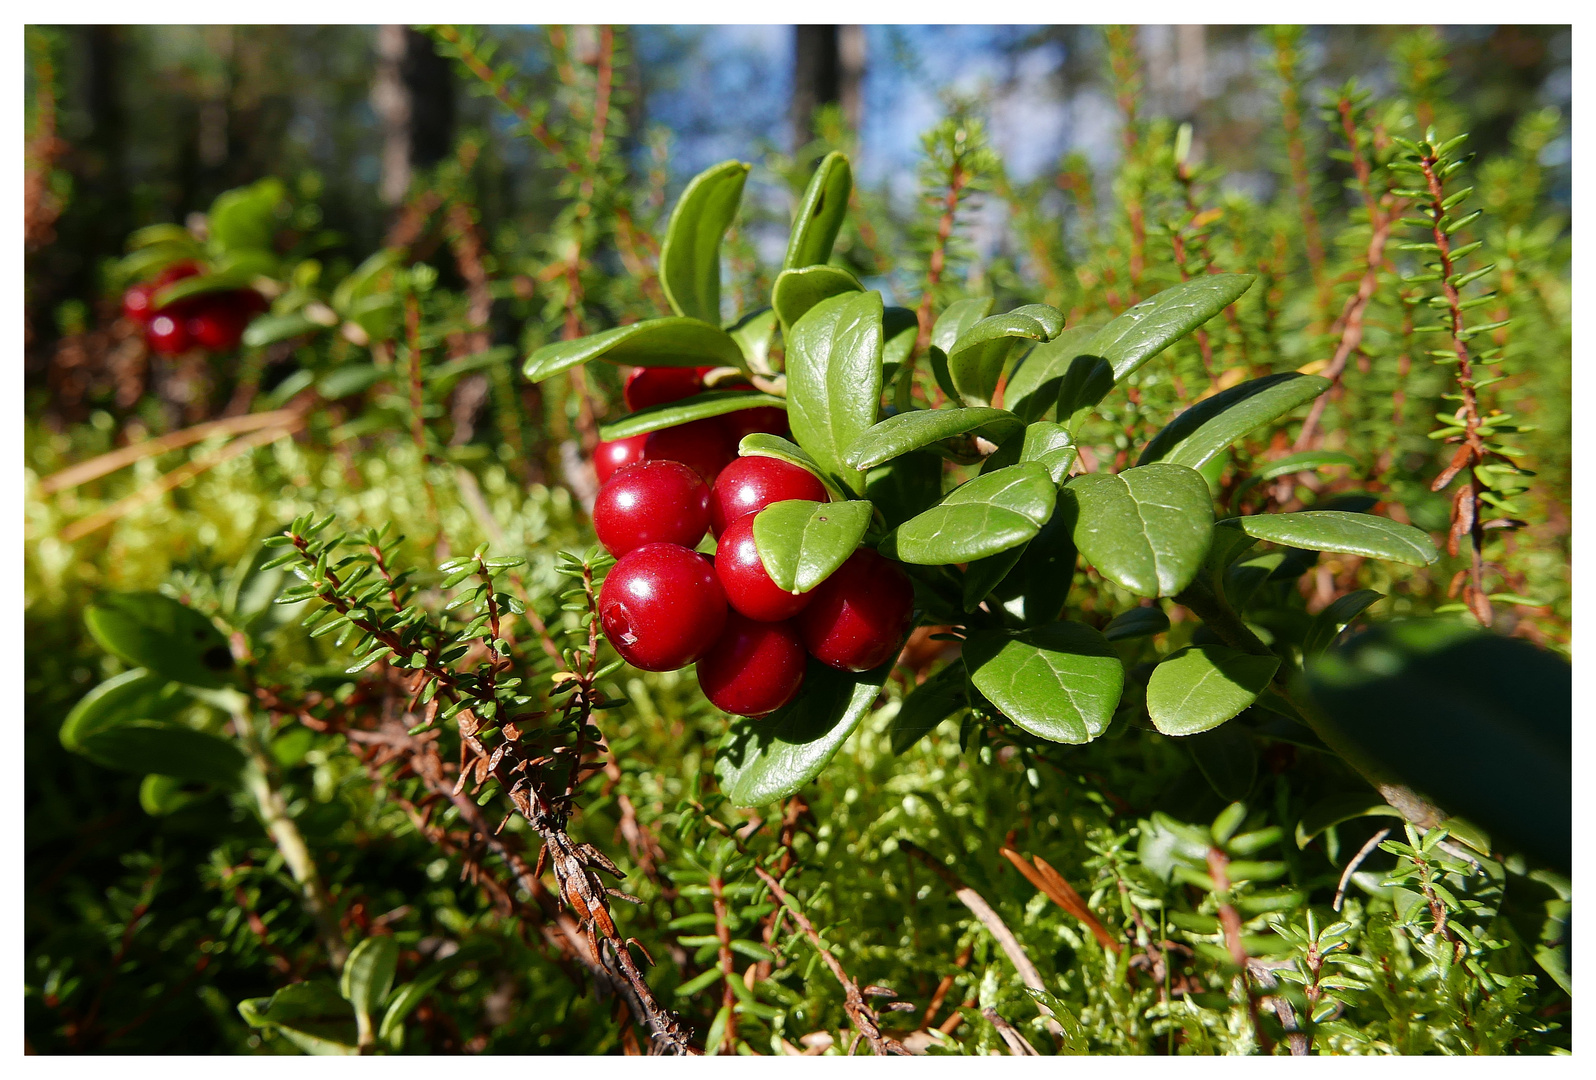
1093,167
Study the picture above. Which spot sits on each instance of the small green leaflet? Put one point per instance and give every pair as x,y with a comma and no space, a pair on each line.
669,342
1146,529
911,430
1343,532
820,213
1060,681
796,291
684,410
1206,429
834,380
689,260
1144,331
802,543
989,514
761,761
1200,687
978,357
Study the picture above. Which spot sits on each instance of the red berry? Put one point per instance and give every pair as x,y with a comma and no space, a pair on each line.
753,668
860,614
765,419
661,607
653,502
750,484
704,445
610,457
176,272
748,587
138,303
647,386
167,335
219,319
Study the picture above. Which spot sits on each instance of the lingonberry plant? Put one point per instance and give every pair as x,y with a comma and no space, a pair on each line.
1040,651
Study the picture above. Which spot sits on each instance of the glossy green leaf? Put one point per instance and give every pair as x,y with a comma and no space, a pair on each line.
982,517
689,260
900,327
959,317
346,380
156,746
1291,464
268,329
754,334
1332,811
132,695
834,380
801,543
796,291
1336,615
978,357
1042,578
1340,531
1085,383
1200,687
820,213
911,430
368,973
767,759
163,795
1479,722
761,444
1032,389
1206,429
245,218
1146,529
1135,623
1060,682
667,342
938,362
905,486
1144,331
981,576
312,1015
156,632
1050,446
1227,758
684,410
927,705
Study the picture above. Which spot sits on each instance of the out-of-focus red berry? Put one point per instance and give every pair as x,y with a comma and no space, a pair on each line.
661,607
167,334
749,484
743,579
138,303
651,502
753,668
610,457
859,615
703,445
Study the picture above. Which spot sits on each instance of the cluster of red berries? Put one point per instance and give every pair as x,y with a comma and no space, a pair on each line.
213,320
707,445
664,605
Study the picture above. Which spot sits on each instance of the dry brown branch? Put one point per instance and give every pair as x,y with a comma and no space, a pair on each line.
860,1014
1018,1044
994,924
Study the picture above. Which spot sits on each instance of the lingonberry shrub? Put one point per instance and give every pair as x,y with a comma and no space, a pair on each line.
1131,559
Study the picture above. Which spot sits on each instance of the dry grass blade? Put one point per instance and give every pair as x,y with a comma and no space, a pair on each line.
176,478
97,467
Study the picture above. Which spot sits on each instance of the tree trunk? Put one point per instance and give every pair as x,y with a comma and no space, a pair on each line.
828,68
413,96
